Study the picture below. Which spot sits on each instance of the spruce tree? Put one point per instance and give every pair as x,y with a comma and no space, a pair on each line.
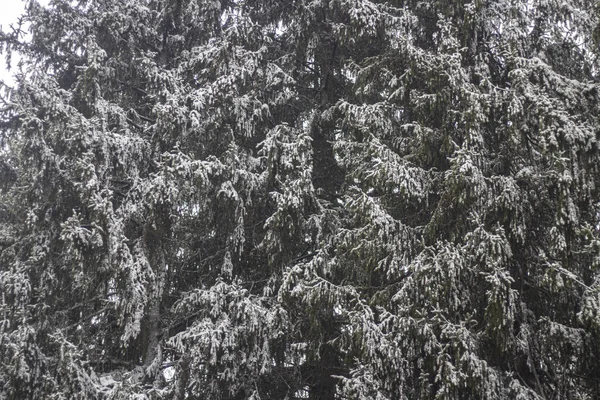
326,199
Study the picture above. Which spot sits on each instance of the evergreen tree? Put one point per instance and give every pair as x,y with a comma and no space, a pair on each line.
326,199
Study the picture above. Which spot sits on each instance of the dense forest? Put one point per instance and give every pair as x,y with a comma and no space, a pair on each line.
301,199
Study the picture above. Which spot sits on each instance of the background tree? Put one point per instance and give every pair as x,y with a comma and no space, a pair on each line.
301,199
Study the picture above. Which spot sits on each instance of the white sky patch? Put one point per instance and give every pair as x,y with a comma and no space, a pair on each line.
169,373
11,10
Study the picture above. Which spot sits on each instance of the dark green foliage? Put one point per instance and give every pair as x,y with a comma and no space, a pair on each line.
328,199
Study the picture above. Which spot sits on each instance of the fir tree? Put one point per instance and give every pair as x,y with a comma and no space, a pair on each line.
327,199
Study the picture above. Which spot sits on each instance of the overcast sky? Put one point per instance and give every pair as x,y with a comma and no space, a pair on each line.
11,9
